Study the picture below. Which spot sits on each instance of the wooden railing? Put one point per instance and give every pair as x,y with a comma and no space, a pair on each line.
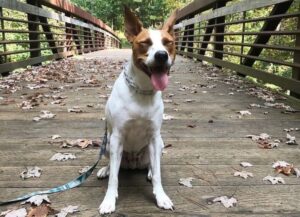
34,31
222,33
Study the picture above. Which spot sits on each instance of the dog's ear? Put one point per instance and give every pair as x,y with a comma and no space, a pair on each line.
133,26
168,25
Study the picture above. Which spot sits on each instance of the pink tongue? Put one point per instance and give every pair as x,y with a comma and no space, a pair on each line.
159,81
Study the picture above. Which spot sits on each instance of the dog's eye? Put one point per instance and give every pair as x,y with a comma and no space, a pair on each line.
168,43
145,43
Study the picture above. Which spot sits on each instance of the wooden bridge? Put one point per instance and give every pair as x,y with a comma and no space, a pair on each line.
211,106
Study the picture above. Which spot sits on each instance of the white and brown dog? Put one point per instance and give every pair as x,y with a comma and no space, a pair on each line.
134,110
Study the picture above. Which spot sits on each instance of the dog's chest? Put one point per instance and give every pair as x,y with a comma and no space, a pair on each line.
136,134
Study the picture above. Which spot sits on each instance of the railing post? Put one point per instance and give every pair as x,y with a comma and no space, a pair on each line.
86,40
33,35
243,36
4,59
219,29
3,35
46,28
296,70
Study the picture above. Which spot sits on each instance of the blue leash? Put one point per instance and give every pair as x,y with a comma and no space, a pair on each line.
72,184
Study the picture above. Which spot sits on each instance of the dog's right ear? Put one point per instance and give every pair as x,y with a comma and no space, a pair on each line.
133,26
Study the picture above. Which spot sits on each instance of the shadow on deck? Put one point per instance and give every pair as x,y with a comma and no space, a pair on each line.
205,138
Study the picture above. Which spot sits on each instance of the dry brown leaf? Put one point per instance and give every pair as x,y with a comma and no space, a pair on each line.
43,210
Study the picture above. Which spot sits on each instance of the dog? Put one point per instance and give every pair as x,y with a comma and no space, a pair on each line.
134,110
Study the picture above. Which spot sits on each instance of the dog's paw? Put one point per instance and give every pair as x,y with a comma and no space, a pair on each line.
164,202
107,206
103,172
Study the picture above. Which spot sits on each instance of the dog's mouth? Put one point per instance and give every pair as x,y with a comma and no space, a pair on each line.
159,76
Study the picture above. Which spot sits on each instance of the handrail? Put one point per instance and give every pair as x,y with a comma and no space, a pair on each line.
81,32
207,36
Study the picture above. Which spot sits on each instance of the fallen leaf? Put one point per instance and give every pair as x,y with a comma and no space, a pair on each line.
167,117
81,143
41,211
15,213
274,180
297,172
65,211
262,136
243,113
37,200
31,172
37,119
265,144
84,169
280,163
63,157
56,136
246,164
291,129
75,109
291,140
227,202
243,174
288,170
189,100
46,114
186,181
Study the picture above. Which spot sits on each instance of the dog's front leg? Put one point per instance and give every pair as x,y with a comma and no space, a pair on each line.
155,151
108,205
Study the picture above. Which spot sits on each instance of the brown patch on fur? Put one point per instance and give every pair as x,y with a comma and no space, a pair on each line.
140,48
169,42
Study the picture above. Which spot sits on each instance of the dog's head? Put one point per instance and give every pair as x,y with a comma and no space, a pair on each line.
153,50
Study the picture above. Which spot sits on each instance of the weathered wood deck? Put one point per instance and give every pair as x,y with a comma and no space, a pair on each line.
209,152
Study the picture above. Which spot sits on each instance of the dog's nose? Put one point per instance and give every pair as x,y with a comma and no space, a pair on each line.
161,56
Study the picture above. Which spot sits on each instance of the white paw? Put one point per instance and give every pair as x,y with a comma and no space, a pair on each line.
164,202
107,206
103,172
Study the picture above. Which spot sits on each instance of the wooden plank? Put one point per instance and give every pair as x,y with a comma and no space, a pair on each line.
66,7
269,25
194,8
279,62
283,82
235,8
189,202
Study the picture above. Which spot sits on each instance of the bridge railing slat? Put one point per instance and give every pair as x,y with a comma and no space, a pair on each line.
49,29
210,25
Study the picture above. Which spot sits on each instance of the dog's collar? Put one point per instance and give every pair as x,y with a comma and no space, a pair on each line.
130,83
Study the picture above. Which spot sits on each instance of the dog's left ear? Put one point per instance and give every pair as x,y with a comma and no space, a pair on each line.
168,25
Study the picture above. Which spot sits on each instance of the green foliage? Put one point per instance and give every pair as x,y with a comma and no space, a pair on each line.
151,12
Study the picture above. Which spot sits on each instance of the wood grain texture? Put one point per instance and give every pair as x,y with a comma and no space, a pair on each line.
209,152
